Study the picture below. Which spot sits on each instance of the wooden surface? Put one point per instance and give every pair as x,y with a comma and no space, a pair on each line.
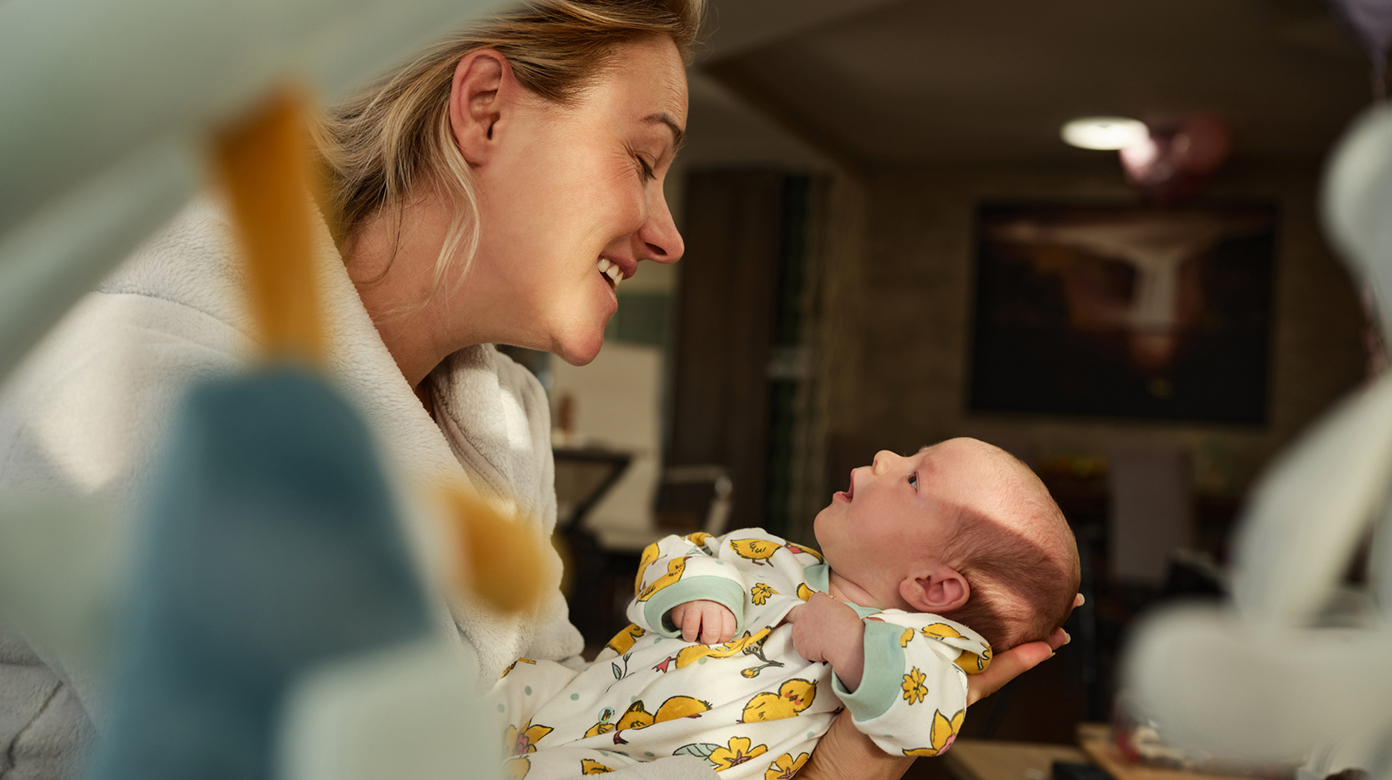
1096,741
982,759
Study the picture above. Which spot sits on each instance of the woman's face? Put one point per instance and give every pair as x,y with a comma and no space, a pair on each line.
572,190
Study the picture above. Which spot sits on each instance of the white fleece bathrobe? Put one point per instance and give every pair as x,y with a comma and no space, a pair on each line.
86,413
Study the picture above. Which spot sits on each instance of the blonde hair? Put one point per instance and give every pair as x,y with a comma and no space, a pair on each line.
393,142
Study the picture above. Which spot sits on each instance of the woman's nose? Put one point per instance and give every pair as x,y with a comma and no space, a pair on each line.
661,240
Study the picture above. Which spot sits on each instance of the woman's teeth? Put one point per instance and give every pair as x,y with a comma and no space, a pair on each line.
611,272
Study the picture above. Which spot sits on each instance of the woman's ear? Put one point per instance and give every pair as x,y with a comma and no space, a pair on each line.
481,82
938,589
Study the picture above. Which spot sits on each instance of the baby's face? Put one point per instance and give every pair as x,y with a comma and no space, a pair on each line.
899,507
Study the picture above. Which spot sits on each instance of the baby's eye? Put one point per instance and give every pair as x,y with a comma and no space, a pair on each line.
913,481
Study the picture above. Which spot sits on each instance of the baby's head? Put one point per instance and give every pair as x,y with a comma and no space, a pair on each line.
961,529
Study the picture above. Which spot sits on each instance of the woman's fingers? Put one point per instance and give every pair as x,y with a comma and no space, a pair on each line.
1058,639
846,754
1011,664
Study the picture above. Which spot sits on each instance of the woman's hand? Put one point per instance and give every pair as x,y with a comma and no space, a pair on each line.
1011,664
1015,662
846,754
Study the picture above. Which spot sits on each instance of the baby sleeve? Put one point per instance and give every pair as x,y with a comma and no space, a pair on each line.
679,569
912,696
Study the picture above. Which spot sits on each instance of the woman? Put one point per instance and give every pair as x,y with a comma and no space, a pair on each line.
497,190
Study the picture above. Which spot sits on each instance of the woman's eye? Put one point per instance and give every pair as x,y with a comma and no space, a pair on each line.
913,481
648,173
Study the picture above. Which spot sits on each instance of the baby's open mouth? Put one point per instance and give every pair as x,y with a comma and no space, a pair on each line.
610,271
850,491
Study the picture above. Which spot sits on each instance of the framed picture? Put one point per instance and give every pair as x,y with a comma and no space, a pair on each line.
1124,311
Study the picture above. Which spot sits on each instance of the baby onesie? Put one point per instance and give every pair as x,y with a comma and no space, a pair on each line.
752,707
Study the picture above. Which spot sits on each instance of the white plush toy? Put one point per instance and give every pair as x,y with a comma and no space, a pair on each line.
1268,676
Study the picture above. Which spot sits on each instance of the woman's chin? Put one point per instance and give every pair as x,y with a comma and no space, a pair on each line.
580,351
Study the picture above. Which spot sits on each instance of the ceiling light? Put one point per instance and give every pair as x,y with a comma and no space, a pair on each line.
1104,132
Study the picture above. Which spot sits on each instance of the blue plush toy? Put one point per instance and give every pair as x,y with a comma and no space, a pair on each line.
272,546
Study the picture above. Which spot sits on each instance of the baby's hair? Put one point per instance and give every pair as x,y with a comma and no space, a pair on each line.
1023,582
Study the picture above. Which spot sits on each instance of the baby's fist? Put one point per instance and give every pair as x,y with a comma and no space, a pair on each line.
703,621
824,629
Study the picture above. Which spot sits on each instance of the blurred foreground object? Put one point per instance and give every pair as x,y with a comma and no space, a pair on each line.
107,105
271,546
1370,22
264,165
499,556
279,625
1267,677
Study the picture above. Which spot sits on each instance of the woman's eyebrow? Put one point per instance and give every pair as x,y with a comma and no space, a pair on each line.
678,135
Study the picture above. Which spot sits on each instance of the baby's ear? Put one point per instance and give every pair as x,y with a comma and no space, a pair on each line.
938,589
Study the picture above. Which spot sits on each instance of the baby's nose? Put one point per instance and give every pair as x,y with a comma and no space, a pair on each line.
882,460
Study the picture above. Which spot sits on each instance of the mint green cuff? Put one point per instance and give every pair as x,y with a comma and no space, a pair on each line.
882,675
718,589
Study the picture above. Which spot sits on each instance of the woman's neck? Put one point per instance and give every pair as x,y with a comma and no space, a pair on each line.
392,265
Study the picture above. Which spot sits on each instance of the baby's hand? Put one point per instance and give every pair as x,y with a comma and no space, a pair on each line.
824,629
703,621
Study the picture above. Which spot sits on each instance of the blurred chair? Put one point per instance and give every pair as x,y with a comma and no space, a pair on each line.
605,560
1152,510
698,493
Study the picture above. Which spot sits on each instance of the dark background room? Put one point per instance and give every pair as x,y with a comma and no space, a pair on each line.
889,244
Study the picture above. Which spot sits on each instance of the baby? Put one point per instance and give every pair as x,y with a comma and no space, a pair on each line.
745,647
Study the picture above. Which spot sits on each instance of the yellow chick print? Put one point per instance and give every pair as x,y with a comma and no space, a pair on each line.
692,653
650,554
638,717
975,663
680,707
589,766
756,550
635,717
804,592
514,664
698,538
970,662
674,573
602,727
943,735
623,641
941,631
908,635
796,548
793,697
